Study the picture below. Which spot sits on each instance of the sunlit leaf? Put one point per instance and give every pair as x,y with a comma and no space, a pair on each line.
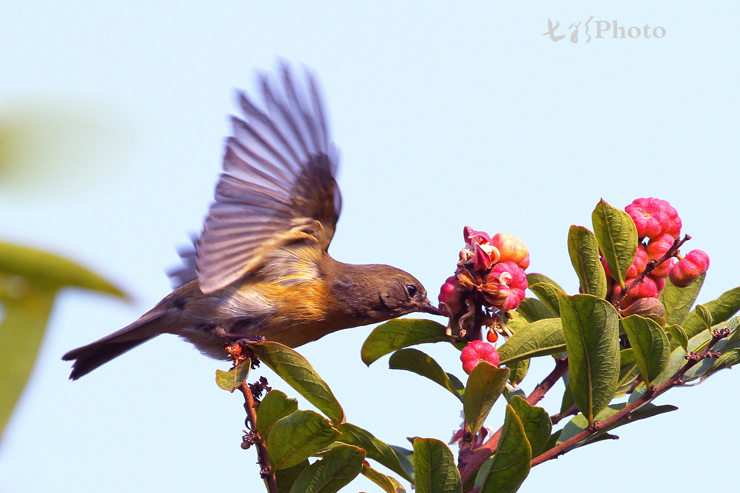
616,235
332,472
435,467
299,374
539,338
374,448
678,336
275,406
400,333
511,464
285,478
591,327
297,437
678,301
535,278
547,293
584,255
533,309
536,423
386,483
721,309
485,384
422,364
649,344
518,371
628,372
232,379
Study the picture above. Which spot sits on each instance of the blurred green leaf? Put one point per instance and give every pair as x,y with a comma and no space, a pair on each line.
721,309
485,384
422,364
678,301
584,255
333,471
535,278
536,423
435,467
533,309
386,483
374,448
400,333
275,406
50,271
591,327
299,374
548,294
649,345
678,336
510,466
285,478
232,379
539,338
616,235
297,437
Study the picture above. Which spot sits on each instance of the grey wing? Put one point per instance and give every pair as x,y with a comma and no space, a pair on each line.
278,184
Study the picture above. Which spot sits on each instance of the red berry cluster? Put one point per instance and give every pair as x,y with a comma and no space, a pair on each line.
658,228
477,351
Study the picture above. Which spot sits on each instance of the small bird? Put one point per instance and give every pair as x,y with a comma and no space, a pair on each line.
260,267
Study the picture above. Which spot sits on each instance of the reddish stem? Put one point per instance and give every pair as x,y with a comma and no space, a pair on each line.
266,470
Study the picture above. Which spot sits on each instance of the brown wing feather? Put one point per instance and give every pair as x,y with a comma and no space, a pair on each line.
278,185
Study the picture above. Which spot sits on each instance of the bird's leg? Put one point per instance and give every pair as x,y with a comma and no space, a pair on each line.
232,337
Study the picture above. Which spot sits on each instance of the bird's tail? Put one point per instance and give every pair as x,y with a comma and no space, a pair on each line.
89,357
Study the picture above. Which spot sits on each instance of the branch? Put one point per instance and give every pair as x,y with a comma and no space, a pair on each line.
469,465
266,471
649,395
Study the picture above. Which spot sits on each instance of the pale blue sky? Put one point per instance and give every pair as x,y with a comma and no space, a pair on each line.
446,114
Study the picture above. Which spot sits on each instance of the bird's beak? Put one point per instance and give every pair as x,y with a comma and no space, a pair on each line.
429,308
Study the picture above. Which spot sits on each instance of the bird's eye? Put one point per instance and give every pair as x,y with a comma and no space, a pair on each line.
411,290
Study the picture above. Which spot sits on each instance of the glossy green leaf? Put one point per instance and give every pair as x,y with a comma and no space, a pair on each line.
374,449
518,371
511,464
649,344
332,472
584,255
386,483
628,372
435,467
536,423
485,384
539,338
22,329
232,379
535,278
591,328
548,294
533,309
400,333
285,478
678,301
299,374
678,336
51,271
721,309
422,364
297,437
616,235
275,406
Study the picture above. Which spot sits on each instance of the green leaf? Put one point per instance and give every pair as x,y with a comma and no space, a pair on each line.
567,402
299,374
734,327
548,294
518,371
705,316
386,483
400,333
511,463
678,301
435,467
628,371
21,332
535,278
406,458
485,384
232,379
584,255
374,449
678,335
50,271
649,344
536,423
285,478
275,406
591,327
726,360
721,309
533,309
422,364
580,423
336,469
539,338
297,437
616,235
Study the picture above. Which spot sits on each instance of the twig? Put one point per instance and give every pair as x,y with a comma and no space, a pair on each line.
266,471
648,396
470,462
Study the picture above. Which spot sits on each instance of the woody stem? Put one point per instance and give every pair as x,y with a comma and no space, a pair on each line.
266,471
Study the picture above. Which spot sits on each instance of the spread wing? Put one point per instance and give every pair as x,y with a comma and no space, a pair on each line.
277,184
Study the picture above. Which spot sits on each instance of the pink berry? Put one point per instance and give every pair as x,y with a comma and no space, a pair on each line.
510,248
450,297
654,217
505,286
477,351
639,263
656,248
694,264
